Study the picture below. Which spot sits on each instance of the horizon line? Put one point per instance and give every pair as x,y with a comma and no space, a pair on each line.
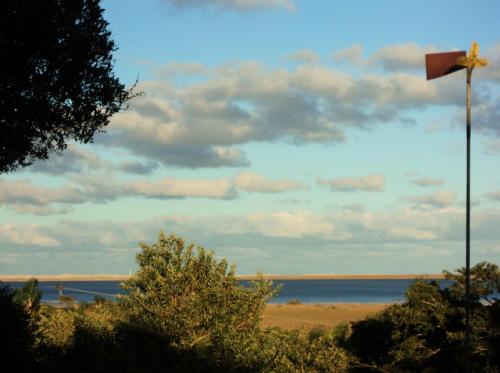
266,276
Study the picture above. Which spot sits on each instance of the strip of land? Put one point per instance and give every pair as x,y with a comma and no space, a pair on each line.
107,277
367,276
64,277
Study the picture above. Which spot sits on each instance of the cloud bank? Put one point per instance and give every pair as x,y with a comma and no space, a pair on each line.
27,198
370,183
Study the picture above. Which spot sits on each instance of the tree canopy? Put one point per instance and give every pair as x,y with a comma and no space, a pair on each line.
184,292
57,82
29,296
426,333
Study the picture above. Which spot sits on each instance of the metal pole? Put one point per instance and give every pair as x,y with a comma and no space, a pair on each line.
467,236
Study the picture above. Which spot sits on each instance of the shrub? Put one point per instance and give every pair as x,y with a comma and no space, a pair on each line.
183,293
99,299
16,329
288,351
427,331
316,333
29,296
56,329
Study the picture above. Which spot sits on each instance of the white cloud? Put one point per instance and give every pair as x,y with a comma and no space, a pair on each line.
402,56
486,115
138,168
253,182
79,160
428,182
26,235
440,199
352,54
27,198
492,146
292,224
23,192
26,208
370,183
74,159
303,227
315,241
492,71
176,188
200,123
305,56
494,196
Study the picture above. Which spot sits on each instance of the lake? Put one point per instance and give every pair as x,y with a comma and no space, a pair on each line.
306,291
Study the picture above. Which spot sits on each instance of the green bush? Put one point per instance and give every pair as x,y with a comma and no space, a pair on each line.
316,333
29,296
289,351
426,333
99,299
185,293
56,329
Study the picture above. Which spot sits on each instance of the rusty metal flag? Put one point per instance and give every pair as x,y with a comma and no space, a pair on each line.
440,64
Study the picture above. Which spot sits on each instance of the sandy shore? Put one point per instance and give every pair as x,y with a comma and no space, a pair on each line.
305,317
63,277
105,277
367,276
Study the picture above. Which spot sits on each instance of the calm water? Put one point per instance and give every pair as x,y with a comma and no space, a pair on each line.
307,291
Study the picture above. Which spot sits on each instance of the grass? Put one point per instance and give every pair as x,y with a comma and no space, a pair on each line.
306,317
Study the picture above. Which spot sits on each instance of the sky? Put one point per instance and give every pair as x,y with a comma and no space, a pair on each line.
288,136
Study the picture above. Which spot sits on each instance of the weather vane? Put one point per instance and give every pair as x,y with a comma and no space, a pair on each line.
437,65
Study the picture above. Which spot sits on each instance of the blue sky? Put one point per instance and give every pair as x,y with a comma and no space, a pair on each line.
287,136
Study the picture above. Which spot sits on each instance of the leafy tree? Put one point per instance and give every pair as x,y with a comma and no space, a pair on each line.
29,296
485,283
55,329
185,293
207,321
57,81
426,333
281,351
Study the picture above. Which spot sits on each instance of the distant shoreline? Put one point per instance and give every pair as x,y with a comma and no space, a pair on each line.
105,277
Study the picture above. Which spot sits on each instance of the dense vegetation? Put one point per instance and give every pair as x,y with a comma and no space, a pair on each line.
184,311
426,333
57,82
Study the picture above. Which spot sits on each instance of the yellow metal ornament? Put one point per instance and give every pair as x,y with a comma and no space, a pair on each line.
472,60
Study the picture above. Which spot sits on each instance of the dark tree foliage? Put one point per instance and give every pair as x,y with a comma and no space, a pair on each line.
426,333
16,354
29,296
56,81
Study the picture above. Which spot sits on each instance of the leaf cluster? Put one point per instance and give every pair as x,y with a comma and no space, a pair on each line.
185,293
426,333
57,82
